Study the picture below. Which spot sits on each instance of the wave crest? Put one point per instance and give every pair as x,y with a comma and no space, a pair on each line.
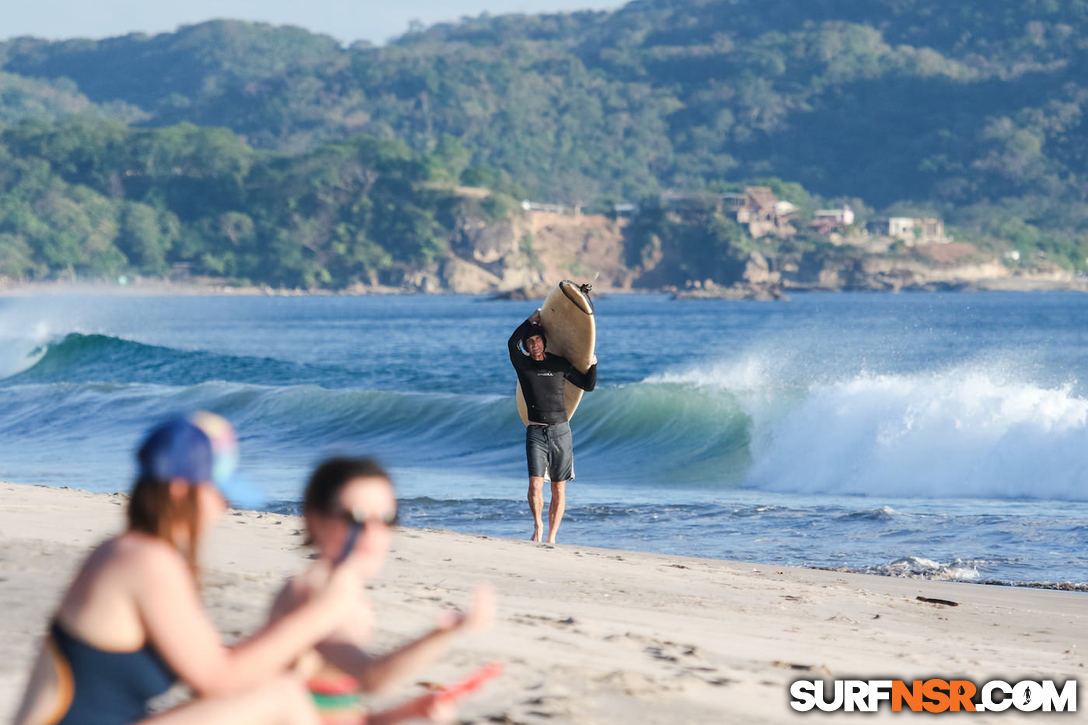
939,436
79,358
950,434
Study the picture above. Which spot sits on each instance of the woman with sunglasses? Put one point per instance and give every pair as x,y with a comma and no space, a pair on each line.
350,509
132,623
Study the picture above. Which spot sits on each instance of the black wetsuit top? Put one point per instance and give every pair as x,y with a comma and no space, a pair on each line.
542,380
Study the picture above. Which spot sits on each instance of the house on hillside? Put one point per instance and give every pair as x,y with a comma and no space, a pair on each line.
756,207
911,230
763,212
825,221
563,209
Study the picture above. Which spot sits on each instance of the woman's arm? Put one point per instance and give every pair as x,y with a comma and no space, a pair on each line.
39,702
378,674
178,626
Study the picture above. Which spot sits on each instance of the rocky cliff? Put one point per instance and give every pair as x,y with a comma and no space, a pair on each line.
533,250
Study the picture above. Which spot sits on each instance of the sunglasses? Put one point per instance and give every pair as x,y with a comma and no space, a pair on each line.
357,521
360,518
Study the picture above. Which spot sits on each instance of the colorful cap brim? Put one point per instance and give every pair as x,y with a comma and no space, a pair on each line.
240,492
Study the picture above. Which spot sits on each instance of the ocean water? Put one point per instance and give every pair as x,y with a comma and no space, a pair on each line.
931,435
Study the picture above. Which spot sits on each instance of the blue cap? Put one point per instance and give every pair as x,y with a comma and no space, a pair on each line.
198,448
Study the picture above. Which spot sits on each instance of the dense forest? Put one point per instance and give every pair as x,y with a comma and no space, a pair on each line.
86,197
274,154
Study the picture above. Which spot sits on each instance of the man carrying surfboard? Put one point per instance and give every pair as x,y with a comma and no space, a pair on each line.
542,378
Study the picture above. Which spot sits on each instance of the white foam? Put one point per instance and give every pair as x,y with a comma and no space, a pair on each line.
746,373
978,430
22,346
918,567
28,325
958,433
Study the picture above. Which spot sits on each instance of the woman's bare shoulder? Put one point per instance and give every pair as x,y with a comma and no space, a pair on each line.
145,554
102,604
132,549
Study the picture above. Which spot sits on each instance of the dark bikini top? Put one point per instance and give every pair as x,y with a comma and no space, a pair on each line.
103,687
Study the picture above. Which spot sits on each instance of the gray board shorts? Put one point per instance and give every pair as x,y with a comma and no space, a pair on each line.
549,451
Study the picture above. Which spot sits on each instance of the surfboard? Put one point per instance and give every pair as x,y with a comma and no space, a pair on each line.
571,332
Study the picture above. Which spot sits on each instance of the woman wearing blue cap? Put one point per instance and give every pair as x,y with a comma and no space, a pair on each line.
131,623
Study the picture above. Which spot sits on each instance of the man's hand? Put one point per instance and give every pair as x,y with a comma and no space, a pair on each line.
535,317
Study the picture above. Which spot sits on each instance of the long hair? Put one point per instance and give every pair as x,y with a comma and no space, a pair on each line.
153,511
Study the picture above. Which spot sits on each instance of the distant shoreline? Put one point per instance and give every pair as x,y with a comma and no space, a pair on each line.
164,287
145,287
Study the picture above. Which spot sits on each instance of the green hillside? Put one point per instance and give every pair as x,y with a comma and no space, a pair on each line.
91,198
972,110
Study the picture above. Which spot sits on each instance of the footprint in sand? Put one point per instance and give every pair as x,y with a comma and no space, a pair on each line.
685,660
563,623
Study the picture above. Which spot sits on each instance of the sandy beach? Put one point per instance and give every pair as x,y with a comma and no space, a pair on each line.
588,635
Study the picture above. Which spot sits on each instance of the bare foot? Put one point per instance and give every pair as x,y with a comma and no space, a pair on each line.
536,537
